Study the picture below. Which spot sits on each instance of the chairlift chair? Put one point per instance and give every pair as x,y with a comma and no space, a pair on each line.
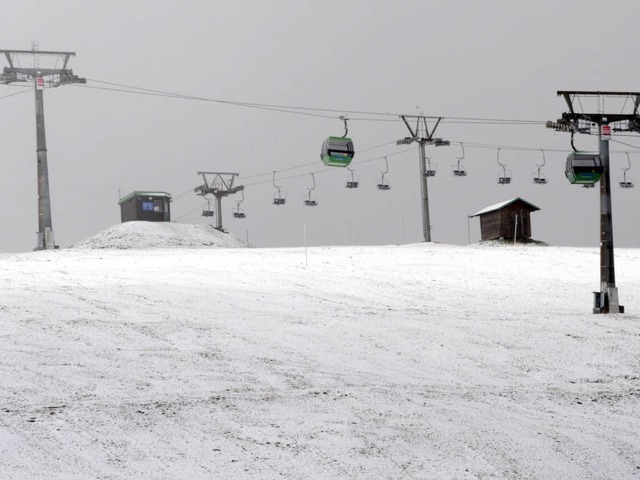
539,178
505,179
353,182
208,212
309,201
338,151
458,170
382,185
279,196
239,212
626,182
430,170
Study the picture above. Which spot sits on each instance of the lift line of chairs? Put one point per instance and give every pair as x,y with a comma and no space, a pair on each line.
582,168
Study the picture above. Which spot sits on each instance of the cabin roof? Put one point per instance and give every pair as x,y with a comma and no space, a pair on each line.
138,193
501,205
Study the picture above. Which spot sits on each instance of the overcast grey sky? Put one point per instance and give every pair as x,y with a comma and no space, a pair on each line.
492,59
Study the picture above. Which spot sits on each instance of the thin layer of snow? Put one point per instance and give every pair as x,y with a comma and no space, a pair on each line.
421,361
144,235
498,206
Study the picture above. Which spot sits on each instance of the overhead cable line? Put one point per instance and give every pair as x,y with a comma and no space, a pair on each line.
626,144
531,149
310,111
328,170
26,89
186,97
315,163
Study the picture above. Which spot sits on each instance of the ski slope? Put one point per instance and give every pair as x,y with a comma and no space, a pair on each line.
420,361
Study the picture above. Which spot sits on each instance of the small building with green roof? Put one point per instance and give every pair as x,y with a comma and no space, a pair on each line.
146,207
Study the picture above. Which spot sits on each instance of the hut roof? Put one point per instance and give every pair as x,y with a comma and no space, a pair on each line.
143,194
498,206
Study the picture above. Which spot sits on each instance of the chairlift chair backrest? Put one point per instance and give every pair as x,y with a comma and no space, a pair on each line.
352,182
458,170
382,185
279,196
309,201
505,178
626,182
538,177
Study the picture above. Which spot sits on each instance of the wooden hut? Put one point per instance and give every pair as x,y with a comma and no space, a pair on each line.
508,220
145,206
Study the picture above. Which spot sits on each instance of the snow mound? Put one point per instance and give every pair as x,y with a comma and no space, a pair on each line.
144,235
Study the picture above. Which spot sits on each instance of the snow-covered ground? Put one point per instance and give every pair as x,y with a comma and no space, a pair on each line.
419,361
145,235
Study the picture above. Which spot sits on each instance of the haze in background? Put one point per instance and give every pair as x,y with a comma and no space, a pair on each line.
496,59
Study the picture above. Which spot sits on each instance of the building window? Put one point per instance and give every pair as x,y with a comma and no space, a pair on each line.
147,206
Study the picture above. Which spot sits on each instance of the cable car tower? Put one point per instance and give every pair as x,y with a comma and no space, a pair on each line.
539,178
422,136
41,77
606,300
219,184
626,182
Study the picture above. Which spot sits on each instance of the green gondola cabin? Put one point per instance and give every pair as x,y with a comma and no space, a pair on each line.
584,168
337,151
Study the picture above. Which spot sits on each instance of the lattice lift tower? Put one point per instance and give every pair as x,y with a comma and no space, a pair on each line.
423,136
40,77
220,184
574,121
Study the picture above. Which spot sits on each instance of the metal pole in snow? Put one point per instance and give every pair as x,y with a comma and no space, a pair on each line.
426,223
45,228
607,270
515,231
306,255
